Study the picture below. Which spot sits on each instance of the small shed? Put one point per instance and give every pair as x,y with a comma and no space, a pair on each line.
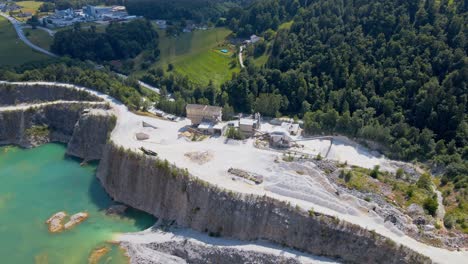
206,128
254,39
248,126
219,128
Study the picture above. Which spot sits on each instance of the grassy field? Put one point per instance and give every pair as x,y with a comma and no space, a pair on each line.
12,50
198,56
39,37
262,60
27,7
286,25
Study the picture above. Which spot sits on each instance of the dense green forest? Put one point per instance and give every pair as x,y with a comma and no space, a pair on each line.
389,71
393,72
261,16
119,41
197,10
80,73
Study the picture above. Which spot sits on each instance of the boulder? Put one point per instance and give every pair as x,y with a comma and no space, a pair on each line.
55,222
117,209
76,219
415,210
419,221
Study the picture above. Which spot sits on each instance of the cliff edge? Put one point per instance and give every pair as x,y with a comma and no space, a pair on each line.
170,193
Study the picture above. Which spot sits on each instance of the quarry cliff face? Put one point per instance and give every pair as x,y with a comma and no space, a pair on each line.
172,194
18,94
85,131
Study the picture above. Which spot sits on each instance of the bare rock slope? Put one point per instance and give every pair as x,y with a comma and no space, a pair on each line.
170,193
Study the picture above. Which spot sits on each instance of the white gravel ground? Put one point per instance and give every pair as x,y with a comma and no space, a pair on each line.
182,235
281,181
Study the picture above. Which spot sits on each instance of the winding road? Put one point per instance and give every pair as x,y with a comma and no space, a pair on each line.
19,30
241,60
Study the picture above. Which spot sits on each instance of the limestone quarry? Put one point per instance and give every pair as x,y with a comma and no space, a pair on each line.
295,208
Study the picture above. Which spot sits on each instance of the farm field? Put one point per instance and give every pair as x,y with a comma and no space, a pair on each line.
27,7
39,37
12,50
198,55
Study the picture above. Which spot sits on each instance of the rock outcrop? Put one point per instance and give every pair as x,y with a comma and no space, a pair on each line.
86,131
169,193
90,134
55,222
76,219
97,254
19,94
176,252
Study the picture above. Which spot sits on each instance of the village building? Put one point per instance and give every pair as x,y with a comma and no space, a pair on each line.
204,113
162,24
254,39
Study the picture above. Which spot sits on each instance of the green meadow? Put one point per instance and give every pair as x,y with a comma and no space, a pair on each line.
198,55
39,37
12,50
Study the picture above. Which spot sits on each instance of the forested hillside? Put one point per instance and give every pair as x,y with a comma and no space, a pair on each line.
262,15
119,41
198,10
386,70
85,74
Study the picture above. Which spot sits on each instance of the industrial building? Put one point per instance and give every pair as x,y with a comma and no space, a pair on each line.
204,113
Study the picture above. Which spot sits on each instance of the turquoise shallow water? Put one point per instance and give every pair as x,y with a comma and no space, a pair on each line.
39,182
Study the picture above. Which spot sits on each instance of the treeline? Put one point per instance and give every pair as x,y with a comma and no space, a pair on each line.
181,90
262,15
79,73
197,10
119,41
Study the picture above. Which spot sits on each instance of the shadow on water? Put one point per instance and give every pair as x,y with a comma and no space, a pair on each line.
103,201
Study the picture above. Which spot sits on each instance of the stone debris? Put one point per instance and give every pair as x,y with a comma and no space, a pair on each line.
246,175
117,209
55,222
415,210
97,254
76,219
199,157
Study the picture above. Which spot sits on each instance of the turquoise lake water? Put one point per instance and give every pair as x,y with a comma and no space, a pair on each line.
40,182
